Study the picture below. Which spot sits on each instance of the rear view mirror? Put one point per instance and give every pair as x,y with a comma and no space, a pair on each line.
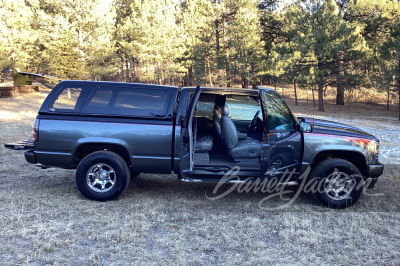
305,127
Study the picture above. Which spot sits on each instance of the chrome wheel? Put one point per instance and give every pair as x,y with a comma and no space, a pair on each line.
338,186
340,183
101,177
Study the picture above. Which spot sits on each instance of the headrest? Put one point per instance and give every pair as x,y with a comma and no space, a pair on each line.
226,110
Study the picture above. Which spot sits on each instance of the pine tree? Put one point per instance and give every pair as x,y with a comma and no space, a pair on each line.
16,35
198,24
379,26
148,39
390,53
316,36
247,48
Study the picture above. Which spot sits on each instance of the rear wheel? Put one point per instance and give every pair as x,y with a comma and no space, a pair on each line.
102,175
338,183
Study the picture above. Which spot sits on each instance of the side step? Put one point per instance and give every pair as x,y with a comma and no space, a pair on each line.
213,181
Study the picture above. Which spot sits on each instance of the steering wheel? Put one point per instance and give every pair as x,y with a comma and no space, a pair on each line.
254,120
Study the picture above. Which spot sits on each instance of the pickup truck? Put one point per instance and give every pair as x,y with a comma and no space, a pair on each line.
110,132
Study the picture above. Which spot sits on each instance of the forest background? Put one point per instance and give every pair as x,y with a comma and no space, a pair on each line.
349,45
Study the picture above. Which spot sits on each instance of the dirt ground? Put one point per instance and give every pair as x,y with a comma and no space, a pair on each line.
160,220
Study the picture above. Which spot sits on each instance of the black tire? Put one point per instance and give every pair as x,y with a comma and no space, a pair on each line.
102,175
344,188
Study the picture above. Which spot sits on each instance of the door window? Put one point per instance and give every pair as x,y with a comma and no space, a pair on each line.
279,115
243,107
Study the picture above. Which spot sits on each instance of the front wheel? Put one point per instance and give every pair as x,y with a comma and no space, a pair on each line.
337,183
102,175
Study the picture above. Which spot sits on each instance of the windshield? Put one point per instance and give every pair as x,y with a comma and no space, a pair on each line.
279,115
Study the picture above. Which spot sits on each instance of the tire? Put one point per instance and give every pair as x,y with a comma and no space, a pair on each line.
102,175
338,183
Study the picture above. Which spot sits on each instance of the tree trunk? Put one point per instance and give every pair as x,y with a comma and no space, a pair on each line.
349,96
295,92
340,87
190,76
388,94
398,85
321,95
398,78
320,87
209,72
127,68
162,76
313,97
307,95
339,93
217,35
244,82
133,67
226,49
122,71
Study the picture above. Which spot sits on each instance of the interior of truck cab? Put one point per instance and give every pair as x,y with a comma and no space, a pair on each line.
228,131
250,129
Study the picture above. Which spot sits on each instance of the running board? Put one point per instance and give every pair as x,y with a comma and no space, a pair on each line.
213,181
221,168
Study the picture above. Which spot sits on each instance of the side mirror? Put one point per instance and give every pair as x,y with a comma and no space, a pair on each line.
305,127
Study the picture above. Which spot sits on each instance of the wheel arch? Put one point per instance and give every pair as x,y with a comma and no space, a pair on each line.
85,149
354,157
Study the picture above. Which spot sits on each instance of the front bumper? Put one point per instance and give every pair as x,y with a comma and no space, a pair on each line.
373,172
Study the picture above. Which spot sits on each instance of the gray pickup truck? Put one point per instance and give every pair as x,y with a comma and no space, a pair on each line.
110,132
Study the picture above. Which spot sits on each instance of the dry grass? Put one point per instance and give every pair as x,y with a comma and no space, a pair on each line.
160,220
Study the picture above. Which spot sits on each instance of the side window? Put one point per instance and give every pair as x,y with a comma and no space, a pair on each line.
155,100
66,100
243,107
101,98
205,106
127,101
279,115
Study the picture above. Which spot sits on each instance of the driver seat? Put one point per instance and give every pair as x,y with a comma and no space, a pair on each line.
244,148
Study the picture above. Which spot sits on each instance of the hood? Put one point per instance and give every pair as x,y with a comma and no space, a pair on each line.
334,128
